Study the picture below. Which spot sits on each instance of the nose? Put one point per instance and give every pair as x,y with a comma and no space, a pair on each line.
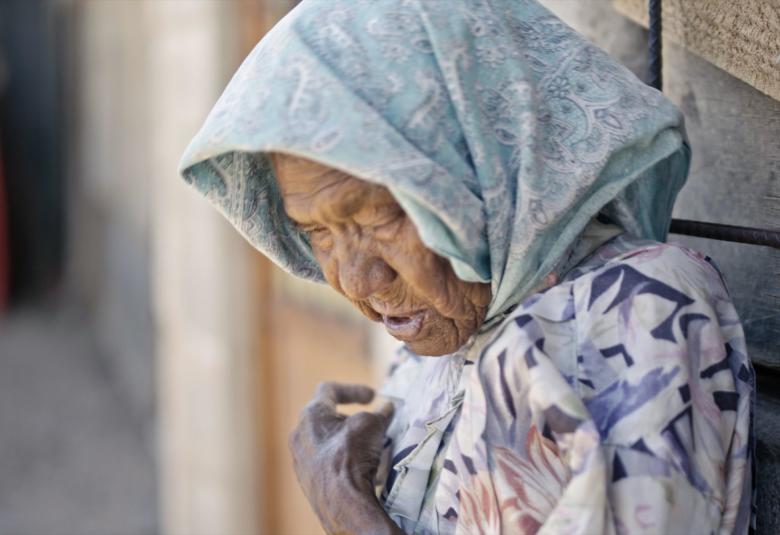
362,274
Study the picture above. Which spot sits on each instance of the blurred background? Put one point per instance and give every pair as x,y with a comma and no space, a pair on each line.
151,363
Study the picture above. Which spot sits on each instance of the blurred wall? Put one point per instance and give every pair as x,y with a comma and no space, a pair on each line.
204,303
78,434
109,192
165,278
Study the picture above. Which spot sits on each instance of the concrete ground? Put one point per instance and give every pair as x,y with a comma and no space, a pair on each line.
73,459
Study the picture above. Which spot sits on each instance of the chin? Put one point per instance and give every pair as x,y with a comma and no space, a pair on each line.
441,336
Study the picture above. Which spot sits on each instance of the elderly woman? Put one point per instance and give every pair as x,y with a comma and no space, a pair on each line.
495,190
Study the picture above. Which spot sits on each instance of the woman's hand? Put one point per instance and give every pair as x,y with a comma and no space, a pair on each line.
336,458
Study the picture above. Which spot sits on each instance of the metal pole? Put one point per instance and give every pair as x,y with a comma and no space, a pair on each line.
755,236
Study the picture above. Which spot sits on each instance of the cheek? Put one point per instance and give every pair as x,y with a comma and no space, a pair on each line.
424,273
329,266
430,278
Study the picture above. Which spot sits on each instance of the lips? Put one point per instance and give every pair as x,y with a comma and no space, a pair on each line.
404,327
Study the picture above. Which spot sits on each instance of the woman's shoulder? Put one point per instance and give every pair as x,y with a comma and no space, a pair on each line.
663,282
633,306
664,260
647,326
623,268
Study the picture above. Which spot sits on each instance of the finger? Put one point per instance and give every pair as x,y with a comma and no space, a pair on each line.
333,394
373,421
386,411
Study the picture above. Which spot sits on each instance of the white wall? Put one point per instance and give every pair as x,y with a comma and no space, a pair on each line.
202,286
166,278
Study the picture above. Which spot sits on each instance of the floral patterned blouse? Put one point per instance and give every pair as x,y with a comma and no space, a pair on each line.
618,401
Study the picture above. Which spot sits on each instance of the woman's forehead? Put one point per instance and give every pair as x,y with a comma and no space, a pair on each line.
299,175
308,186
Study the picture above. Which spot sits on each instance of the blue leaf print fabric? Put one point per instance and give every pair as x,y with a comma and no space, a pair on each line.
618,401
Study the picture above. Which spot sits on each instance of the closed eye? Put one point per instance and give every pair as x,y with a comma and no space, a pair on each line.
308,229
319,237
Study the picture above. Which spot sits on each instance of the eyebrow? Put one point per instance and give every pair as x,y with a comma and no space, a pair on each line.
349,204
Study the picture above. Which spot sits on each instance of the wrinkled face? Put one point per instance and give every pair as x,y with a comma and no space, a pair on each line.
370,252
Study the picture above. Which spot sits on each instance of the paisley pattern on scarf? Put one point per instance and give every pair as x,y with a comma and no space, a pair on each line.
499,129
619,401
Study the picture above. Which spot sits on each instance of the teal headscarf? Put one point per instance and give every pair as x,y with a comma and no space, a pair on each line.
500,131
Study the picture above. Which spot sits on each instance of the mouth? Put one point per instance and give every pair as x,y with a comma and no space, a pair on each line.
404,327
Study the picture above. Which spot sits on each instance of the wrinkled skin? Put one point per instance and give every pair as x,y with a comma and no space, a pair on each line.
369,252
336,458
